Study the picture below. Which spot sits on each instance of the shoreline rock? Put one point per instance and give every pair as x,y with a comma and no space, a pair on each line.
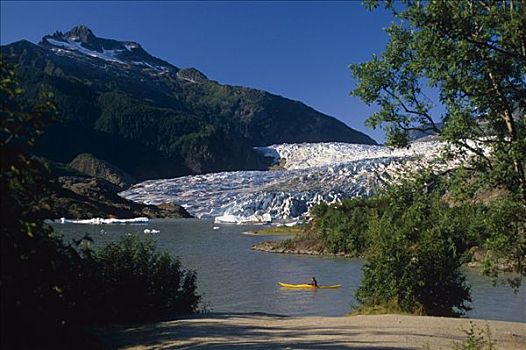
291,247
278,248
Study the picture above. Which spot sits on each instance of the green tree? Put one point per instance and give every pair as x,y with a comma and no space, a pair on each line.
344,228
48,289
415,254
34,266
473,53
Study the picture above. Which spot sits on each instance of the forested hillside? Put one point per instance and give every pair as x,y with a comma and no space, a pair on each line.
152,119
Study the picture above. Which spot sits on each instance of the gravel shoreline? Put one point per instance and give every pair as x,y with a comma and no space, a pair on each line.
263,331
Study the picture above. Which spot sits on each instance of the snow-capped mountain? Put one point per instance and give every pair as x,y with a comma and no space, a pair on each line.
152,119
312,172
80,42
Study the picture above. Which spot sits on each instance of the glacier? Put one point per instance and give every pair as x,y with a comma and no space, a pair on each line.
308,174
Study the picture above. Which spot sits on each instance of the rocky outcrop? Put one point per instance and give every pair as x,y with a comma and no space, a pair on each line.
308,242
165,210
192,75
87,164
479,255
293,247
77,197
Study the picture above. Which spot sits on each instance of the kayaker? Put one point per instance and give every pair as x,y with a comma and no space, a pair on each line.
314,283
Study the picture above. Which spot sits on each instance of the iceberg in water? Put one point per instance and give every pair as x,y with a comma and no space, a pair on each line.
148,231
100,221
240,219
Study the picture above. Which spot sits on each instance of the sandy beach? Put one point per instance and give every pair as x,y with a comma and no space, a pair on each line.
262,331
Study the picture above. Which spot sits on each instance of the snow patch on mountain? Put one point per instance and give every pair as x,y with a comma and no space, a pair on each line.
314,173
72,45
130,46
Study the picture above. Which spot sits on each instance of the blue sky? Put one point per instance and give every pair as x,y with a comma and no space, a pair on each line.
296,49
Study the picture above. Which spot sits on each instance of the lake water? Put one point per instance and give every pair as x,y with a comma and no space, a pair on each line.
233,278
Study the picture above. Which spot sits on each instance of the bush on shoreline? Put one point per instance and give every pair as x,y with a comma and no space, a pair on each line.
415,255
414,238
130,281
343,229
50,290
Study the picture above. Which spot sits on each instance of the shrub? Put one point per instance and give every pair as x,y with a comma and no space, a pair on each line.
344,228
505,239
130,281
415,255
47,289
476,339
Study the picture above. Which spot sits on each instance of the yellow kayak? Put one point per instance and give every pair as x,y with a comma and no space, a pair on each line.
287,285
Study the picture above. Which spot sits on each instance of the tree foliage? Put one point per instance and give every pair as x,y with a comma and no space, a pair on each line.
48,289
415,237
130,281
33,265
416,250
344,228
474,54
414,243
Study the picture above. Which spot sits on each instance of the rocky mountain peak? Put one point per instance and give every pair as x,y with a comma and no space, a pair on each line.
80,42
81,33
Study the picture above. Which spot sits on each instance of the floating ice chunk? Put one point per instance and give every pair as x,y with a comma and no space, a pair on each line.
292,224
239,219
148,231
100,221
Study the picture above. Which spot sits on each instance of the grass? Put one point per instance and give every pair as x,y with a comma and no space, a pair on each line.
391,307
280,230
476,339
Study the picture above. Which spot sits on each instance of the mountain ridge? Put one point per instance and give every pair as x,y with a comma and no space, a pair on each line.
153,119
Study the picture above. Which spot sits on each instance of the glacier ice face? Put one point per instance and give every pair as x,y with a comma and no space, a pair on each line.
308,155
312,173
